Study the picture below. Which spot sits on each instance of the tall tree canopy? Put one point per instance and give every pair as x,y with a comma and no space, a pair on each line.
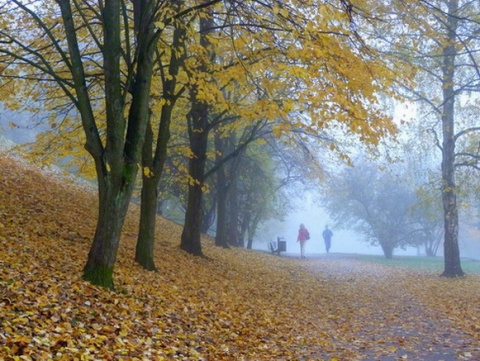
299,64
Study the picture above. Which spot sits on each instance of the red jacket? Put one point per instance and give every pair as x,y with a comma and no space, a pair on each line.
303,235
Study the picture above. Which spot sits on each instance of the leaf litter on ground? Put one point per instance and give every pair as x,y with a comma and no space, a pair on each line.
231,305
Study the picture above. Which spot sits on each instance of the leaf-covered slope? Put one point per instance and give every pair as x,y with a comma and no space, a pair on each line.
192,308
232,305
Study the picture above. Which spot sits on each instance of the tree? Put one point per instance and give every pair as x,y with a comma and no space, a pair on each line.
260,191
416,162
443,45
428,217
230,151
102,61
328,75
375,204
449,192
153,159
198,120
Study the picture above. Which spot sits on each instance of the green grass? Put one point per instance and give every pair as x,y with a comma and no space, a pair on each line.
469,266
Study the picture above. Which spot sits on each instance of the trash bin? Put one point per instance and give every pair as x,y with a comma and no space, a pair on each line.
281,244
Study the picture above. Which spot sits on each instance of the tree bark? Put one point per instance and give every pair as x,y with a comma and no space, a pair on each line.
148,207
117,163
191,234
209,213
198,129
387,249
222,195
252,228
153,164
233,218
449,197
113,201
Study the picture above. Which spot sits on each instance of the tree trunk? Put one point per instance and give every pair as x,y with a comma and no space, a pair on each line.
221,234
198,129
233,214
148,207
198,134
449,196
244,226
117,163
191,235
208,214
387,249
249,242
252,229
146,233
222,195
113,206
153,164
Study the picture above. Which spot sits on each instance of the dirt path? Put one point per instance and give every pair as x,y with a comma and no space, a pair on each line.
390,305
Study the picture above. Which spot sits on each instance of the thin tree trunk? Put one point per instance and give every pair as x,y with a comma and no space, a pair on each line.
148,207
153,165
222,195
233,214
221,234
208,214
246,219
252,229
449,197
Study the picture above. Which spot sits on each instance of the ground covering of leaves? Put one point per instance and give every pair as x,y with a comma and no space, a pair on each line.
233,305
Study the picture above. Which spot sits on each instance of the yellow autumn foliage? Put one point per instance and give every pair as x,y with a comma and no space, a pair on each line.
313,63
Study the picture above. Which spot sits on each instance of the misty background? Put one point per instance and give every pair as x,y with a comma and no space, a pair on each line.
314,217
306,209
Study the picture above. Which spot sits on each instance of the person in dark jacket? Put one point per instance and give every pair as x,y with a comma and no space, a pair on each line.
327,238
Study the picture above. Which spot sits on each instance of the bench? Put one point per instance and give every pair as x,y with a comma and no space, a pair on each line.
279,246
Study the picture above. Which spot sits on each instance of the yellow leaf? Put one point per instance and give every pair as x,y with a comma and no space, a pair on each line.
147,172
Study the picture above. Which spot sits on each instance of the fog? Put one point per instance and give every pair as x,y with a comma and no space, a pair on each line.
315,218
306,211
24,129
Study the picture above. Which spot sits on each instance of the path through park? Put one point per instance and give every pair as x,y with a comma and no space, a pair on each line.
402,318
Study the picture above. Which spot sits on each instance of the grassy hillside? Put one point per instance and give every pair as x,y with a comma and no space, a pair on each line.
231,305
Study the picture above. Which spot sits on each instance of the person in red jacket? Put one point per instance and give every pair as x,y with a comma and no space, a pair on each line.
303,236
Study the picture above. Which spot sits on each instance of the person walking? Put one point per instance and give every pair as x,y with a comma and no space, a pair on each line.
303,237
327,238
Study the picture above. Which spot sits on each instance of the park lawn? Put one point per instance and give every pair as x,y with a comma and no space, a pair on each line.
434,264
231,305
